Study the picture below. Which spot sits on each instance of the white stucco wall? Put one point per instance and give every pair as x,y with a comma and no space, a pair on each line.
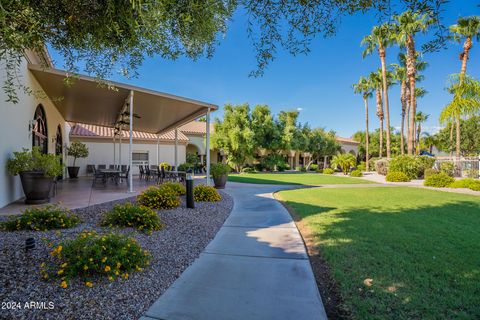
101,152
349,147
14,131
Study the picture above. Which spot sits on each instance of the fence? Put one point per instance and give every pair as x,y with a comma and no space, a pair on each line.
464,168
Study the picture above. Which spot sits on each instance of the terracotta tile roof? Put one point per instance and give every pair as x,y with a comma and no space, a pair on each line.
93,131
195,127
346,140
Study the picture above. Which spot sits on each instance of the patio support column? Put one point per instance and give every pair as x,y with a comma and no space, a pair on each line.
130,172
207,147
114,149
176,149
158,149
120,148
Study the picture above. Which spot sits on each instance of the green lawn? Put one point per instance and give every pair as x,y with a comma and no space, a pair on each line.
420,247
293,178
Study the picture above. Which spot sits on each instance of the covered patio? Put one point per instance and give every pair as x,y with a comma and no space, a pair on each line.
124,108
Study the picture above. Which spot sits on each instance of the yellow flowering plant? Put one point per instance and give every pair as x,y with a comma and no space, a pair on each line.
177,187
41,219
159,198
136,216
91,254
206,193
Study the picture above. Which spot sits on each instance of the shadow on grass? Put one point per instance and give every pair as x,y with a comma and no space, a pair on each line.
399,263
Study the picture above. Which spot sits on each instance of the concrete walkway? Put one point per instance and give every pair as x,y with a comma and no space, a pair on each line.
255,268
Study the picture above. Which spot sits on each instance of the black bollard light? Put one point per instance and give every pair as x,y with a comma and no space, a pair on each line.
189,183
29,244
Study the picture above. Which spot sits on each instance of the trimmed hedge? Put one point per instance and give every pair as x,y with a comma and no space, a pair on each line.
439,180
397,177
356,173
467,183
328,171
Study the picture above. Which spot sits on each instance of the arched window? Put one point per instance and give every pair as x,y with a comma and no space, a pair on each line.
59,141
39,130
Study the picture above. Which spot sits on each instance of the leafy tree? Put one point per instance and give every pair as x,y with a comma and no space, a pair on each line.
470,137
234,136
345,161
374,143
76,150
420,118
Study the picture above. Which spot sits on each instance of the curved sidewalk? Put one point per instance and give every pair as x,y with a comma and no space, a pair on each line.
256,267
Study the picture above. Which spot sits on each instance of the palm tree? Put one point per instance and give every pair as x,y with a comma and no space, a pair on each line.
380,39
400,75
466,101
429,141
466,28
420,118
345,161
409,24
375,79
364,87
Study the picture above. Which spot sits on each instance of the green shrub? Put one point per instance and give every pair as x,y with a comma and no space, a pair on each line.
282,166
395,176
219,169
77,150
248,170
177,187
205,193
424,162
313,167
381,166
184,167
447,167
362,166
413,166
328,171
41,219
429,172
319,170
34,160
159,198
90,254
439,180
128,215
356,173
468,183
344,161
472,173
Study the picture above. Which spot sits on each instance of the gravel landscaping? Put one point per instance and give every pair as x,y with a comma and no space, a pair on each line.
174,248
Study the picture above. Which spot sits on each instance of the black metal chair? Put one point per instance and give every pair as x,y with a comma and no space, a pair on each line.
97,175
90,169
112,166
142,171
102,166
148,173
124,175
123,167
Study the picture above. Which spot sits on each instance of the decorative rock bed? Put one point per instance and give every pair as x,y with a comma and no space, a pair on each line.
173,249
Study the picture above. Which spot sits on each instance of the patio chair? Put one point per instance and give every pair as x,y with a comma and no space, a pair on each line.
102,166
124,175
148,173
112,166
142,171
124,168
90,169
97,175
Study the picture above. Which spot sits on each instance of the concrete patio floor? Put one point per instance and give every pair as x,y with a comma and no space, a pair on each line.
78,193
255,268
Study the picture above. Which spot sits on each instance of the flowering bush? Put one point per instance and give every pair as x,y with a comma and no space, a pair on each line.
91,254
177,187
41,219
206,193
397,177
129,215
159,198
439,180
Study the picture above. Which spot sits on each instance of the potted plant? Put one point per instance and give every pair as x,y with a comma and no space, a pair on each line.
220,173
76,150
37,172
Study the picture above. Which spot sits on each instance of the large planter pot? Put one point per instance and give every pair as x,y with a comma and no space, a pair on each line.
36,187
220,182
73,172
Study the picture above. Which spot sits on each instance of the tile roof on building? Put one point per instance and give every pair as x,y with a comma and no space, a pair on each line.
346,140
195,127
94,131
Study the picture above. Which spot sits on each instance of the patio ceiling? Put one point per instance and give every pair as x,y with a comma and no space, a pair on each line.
87,102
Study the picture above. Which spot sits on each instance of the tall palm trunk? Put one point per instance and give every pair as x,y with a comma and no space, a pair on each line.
378,95
403,100
451,140
411,72
464,57
367,156
385,97
419,130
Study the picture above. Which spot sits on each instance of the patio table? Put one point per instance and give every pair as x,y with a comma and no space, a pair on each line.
111,173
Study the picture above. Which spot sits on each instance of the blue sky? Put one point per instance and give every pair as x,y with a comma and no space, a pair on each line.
319,84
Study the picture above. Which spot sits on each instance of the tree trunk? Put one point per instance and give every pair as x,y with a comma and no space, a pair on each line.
380,147
411,73
367,156
378,95
451,140
419,130
466,48
385,98
403,97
